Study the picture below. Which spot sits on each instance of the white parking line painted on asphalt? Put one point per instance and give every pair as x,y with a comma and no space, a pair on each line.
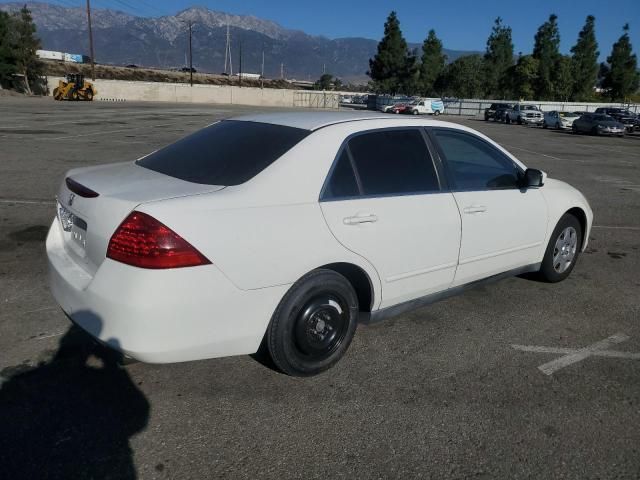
542,154
49,336
613,227
50,137
606,149
575,355
27,202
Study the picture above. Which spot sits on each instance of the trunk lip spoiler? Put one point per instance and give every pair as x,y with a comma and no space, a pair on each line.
80,189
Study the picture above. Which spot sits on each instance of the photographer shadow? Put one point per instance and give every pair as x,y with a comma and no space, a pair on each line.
73,416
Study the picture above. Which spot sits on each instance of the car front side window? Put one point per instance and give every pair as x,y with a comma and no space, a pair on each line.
474,164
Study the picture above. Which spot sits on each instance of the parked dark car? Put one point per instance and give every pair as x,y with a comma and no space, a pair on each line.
187,69
496,111
622,115
598,124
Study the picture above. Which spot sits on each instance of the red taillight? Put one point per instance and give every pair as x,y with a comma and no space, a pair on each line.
142,241
80,189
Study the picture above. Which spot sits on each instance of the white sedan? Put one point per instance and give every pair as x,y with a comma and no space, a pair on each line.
559,120
293,227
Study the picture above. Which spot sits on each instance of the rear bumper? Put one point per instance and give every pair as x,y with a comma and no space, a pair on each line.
160,316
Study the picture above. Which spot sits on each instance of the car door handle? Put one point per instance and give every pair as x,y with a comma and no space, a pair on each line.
357,219
474,209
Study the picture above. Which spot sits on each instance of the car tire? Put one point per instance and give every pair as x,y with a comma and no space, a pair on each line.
519,120
558,126
562,251
507,120
594,131
314,324
544,125
414,112
436,113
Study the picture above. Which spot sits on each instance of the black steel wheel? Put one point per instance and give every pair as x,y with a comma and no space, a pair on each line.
321,325
314,324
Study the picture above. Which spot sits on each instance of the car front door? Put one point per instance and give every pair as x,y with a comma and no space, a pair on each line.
503,225
383,200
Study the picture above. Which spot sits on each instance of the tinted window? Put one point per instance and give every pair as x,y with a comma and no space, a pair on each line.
225,153
393,161
474,164
343,181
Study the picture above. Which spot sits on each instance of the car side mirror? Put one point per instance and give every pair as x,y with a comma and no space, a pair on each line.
533,178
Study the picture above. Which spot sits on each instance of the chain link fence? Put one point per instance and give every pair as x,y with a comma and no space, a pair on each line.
474,108
329,100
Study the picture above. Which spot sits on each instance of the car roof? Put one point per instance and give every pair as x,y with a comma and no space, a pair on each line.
312,120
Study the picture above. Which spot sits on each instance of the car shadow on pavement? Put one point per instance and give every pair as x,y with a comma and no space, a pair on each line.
72,417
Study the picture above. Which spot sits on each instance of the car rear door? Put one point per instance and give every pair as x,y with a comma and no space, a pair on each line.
383,200
503,225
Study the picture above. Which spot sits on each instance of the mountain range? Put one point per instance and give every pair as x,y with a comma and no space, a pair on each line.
121,39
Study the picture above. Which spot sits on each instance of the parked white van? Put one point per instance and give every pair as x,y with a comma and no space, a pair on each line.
424,106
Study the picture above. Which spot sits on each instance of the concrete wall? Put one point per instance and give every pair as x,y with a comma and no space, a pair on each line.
120,90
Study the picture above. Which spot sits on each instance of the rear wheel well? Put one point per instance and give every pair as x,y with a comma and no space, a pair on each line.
582,218
359,280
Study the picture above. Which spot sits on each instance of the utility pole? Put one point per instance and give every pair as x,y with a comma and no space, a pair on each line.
93,66
190,56
262,69
240,72
227,54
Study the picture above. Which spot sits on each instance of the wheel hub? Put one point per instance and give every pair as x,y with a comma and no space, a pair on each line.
565,249
321,326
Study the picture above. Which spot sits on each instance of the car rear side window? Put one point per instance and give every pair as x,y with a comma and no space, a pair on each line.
343,179
226,153
474,164
393,162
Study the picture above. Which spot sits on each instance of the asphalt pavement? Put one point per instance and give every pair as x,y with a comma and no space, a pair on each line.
449,391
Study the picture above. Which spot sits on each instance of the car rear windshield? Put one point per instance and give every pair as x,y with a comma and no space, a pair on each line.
230,152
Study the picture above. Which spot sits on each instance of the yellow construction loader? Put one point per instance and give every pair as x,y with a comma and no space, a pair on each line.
74,88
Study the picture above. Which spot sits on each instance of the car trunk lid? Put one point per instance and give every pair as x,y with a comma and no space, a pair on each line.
89,220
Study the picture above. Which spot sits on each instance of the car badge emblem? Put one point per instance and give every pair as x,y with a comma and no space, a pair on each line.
71,198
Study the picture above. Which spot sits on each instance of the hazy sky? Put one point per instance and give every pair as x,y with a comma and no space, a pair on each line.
461,24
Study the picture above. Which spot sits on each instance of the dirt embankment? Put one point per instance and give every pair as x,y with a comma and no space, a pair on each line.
109,72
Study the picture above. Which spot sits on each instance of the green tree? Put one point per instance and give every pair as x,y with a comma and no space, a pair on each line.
585,61
461,78
27,43
546,52
433,62
7,50
498,59
564,76
622,78
391,67
410,77
524,76
325,82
